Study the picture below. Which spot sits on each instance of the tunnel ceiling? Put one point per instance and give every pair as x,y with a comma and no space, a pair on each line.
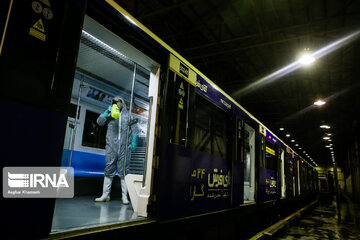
237,43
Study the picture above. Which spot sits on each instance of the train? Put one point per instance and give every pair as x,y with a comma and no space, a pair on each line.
198,152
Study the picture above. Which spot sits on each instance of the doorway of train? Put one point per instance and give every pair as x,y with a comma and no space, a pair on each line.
109,138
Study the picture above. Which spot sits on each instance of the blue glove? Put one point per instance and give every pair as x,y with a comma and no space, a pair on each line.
107,112
134,142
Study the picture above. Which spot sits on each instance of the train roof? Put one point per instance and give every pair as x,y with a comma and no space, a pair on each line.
150,34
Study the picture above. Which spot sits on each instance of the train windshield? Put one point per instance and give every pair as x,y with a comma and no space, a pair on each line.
107,134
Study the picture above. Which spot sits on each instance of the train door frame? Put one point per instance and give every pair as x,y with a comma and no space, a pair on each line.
143,187
282,173
288,176
237,188
140,187
259,158
257,153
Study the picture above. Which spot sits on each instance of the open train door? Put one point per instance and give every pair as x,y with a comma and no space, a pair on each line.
139,162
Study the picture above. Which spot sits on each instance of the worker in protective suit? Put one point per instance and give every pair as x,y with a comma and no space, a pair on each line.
116,117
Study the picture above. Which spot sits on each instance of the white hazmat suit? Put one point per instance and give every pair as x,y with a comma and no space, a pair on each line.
115,148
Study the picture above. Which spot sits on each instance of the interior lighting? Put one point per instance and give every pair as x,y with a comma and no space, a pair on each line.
292,140
130,20
326,138
329,134
319,103
282,129
324,126
287,135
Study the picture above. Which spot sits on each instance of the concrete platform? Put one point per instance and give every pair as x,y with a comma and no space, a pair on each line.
322,223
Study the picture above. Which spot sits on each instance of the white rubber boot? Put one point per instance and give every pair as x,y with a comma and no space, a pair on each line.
105,197
124,193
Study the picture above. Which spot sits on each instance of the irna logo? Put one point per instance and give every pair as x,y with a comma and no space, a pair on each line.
38,182
19,180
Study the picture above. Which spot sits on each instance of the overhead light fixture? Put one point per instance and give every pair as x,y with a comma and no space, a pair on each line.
292,140
329,134
296,145
319,103
306,58
282,129
300,148
324,126
326,138
287,135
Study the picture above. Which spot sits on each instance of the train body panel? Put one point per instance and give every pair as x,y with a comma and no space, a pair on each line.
191,148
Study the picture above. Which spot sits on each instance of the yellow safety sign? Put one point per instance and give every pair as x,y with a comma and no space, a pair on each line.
39,26
38,30
271,151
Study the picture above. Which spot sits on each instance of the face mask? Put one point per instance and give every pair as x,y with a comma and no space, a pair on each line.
120,105
115,111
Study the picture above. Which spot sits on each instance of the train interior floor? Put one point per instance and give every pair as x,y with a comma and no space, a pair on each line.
322,222
82,211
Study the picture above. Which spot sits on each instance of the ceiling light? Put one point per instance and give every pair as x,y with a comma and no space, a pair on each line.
296,145
319,103
329,134
325,126
282,129
326,138
287,135
292,140
300,148
306,59
328,146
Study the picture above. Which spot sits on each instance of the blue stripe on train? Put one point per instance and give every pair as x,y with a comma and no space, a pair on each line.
85,164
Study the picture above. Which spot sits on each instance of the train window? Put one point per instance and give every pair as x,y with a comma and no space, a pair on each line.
270,156
93,134
249,164
210,129
179,110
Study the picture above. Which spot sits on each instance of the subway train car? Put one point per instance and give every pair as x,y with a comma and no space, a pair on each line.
195,159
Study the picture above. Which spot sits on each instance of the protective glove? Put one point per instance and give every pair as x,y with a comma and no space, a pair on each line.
134,142
107,112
